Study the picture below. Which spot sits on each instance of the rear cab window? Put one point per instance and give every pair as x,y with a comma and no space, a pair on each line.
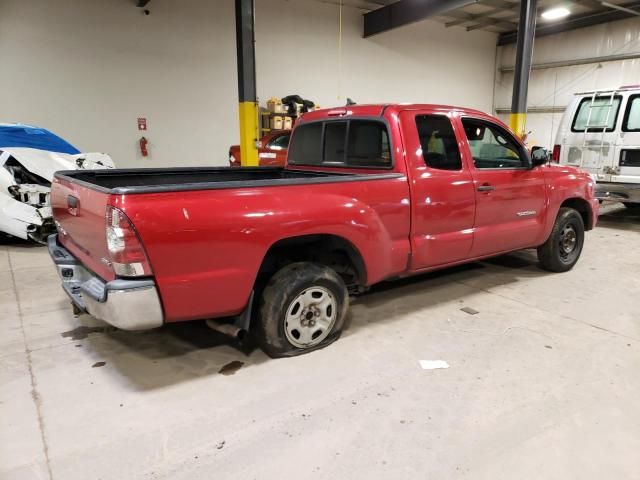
594,115
353,143
305,147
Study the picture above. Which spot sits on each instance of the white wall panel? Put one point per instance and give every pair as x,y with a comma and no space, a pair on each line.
422,62
556,86
88,69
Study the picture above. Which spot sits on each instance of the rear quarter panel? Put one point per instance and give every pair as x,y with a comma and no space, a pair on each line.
206,246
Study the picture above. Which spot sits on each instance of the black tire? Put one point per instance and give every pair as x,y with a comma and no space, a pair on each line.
632,206
562,249
285,287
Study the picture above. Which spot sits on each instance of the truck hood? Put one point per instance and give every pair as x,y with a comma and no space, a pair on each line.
555,169
579,179
558,169
45,163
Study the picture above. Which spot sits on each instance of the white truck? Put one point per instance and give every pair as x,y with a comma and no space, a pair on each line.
600,133
29,156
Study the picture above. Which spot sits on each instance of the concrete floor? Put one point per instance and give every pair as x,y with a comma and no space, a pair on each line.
543,381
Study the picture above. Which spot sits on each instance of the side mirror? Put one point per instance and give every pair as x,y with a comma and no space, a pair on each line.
539,156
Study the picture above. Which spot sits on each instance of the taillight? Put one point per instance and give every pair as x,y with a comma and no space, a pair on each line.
128,257
555,156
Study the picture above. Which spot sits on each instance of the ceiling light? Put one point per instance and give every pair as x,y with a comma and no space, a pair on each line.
555,13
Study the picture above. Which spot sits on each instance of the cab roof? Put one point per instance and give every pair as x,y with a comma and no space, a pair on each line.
385,109
378,109
609,91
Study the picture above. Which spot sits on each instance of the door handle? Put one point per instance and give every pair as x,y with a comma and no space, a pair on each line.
485,187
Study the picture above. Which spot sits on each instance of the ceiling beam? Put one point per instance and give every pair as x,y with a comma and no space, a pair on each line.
572,23
621,8
592,4
477,17
364,5
463,17
491,22
577,61
404,12
503,5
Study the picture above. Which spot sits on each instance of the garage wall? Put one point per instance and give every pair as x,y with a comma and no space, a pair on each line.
88,70
422,62
553,88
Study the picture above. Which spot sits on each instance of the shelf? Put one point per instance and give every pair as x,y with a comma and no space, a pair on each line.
275,114
280,129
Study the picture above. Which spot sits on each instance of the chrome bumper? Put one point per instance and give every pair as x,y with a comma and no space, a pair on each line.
618,192
126,304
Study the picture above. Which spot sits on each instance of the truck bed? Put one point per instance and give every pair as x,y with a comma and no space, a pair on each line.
152,180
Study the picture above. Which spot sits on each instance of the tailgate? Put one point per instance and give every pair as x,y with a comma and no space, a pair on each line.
79,213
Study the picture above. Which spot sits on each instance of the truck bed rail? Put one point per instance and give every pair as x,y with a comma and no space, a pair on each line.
156,180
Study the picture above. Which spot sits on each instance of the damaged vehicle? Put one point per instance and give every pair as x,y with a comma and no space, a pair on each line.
29,156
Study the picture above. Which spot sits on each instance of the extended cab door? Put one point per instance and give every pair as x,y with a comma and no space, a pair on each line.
442,191
510,195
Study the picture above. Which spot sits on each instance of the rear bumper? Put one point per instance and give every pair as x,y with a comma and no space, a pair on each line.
126,304
619,192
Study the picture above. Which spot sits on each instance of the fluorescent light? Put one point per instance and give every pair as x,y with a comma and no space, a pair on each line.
555,13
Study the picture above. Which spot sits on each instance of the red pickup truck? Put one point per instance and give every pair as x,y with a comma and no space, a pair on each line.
272,150
369,193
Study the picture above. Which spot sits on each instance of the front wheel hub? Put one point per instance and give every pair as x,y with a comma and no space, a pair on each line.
568,240
310,317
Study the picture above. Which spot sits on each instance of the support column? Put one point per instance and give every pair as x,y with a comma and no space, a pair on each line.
247,97
524,52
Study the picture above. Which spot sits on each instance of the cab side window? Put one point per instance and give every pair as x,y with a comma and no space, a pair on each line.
632,115
438,142
493,147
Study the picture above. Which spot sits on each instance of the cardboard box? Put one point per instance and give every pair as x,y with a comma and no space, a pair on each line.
277,122
275,105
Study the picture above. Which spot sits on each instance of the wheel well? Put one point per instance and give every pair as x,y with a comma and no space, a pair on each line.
330,250
583,208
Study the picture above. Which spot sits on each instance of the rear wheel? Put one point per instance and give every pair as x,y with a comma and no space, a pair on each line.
303,308
563,247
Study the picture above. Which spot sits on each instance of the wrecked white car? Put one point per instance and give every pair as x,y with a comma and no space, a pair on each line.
29,156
